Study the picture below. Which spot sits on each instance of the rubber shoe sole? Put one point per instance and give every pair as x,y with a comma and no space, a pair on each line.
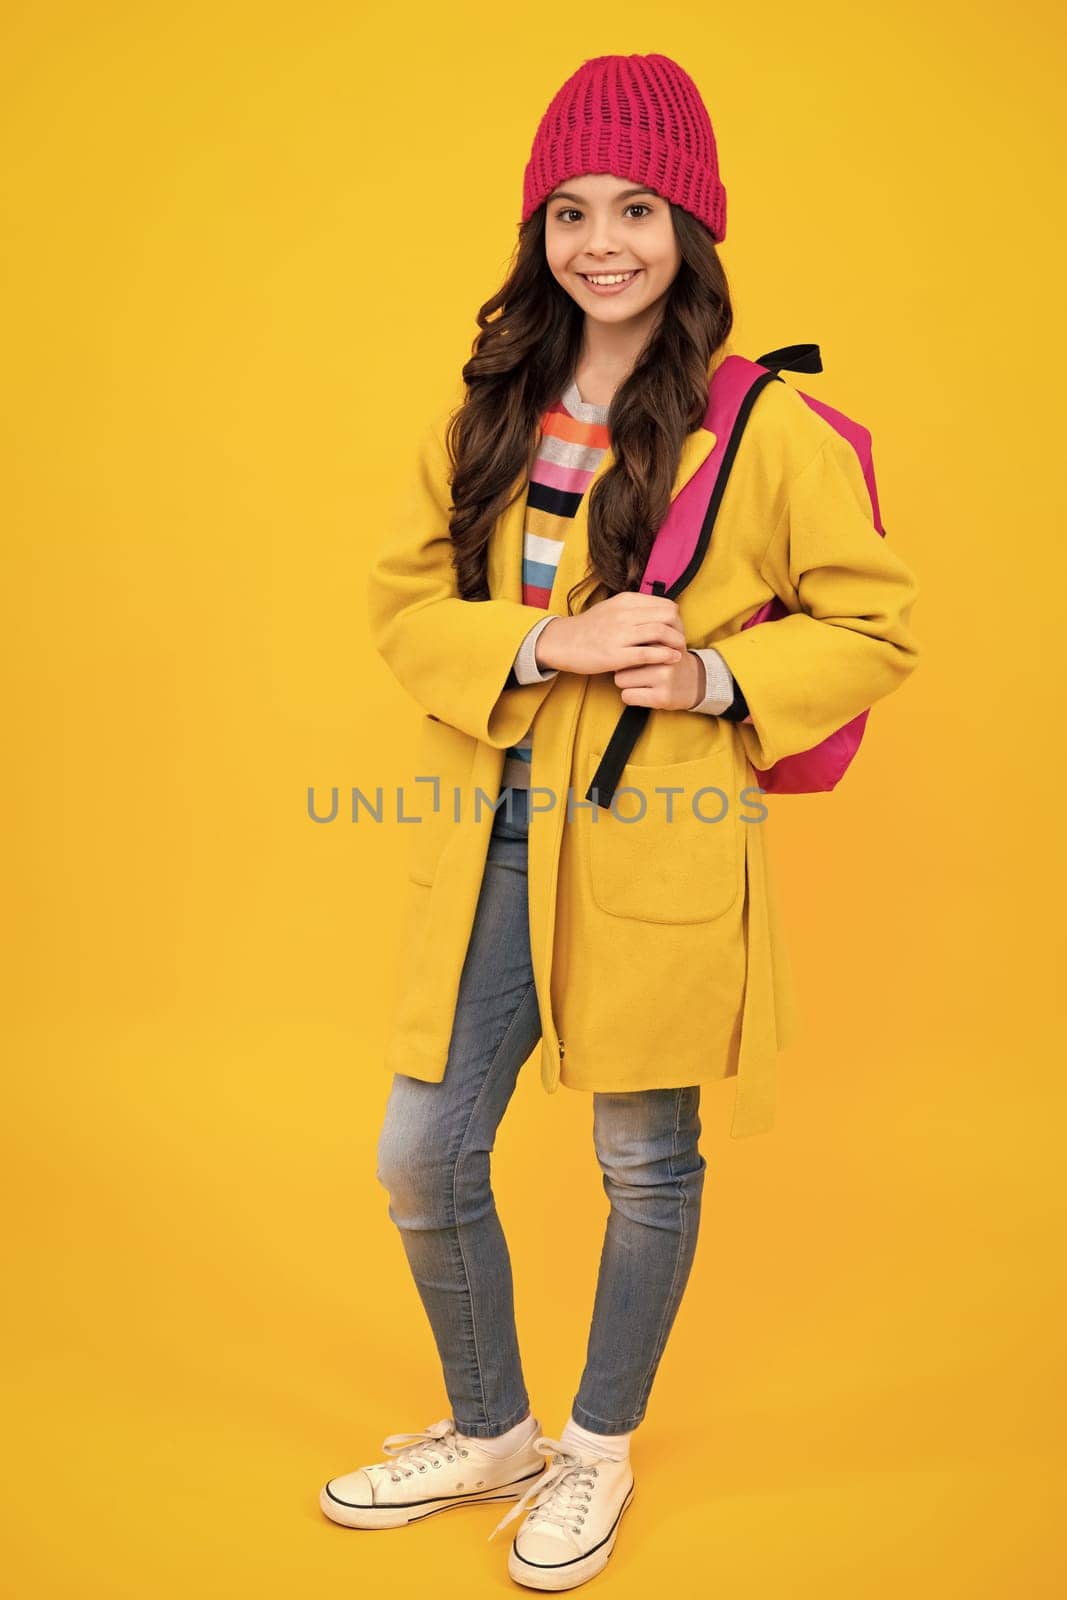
351,1514
566,1574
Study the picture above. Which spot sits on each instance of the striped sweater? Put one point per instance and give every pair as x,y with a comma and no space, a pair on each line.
573,440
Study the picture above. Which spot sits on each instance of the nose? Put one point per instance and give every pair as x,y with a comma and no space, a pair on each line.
598,242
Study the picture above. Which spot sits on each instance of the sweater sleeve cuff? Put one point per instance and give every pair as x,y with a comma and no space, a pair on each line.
525,666
719,684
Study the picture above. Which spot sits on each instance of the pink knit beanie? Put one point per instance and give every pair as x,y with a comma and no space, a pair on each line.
640,117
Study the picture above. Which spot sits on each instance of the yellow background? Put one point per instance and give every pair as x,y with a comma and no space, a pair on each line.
244,246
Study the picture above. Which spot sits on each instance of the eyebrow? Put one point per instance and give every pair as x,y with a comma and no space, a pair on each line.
568,194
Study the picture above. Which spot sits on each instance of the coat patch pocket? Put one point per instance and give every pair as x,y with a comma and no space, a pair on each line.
446,754
685,864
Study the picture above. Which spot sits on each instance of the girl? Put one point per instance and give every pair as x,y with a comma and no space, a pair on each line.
645,958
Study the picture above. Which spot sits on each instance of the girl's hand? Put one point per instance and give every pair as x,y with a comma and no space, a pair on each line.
678,687
629,634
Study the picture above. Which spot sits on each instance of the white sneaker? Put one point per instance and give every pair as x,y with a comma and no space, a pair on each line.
570,1531
432,1471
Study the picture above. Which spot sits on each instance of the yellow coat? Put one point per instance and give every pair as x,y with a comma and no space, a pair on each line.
658,951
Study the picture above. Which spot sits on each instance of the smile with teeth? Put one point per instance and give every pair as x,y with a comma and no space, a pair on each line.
606,278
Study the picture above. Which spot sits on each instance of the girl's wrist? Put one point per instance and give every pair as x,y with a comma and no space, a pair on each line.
701,678
545,660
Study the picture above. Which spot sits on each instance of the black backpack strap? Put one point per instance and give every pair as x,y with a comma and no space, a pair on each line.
792,358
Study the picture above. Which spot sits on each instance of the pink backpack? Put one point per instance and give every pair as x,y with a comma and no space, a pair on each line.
682,542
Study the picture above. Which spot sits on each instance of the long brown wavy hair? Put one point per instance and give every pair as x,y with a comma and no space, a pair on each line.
523,358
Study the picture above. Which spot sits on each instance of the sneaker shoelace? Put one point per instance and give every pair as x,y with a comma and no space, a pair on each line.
559,1497
433,1445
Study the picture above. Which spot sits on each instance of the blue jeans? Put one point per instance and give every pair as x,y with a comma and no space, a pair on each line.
433,1160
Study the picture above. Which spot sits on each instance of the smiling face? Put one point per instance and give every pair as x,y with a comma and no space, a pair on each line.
601,225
